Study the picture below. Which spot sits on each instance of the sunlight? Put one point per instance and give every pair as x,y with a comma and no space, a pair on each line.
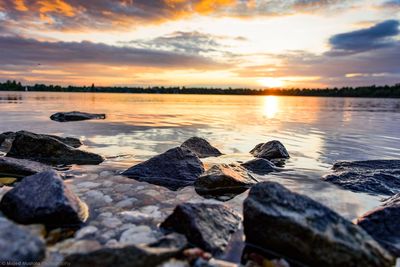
271,106
270,82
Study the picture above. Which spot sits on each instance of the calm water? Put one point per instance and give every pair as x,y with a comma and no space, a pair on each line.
316,131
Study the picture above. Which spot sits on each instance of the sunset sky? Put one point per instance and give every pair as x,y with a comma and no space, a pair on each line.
220,43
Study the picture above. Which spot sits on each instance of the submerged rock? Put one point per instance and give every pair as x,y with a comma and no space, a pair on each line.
174,169
201,147
208,226
224,179
20,167
383,224
46,149
76,116
18,245
43,198
303,230
259,166
372,176
270,150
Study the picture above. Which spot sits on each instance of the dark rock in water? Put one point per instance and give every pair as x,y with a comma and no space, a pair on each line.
383,224
46,149
18,245
43,198
224,179
207,226
303,230
201,147
174,169
372,176
172,240
71,141
259,166
76,116
20,167
270,150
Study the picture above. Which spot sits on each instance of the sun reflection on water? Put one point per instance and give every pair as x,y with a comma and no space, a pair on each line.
271,106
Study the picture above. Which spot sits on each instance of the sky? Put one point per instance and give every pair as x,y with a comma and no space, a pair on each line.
210,43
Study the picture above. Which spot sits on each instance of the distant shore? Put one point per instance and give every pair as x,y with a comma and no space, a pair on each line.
386,91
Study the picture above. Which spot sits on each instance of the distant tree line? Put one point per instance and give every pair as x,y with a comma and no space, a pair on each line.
365,91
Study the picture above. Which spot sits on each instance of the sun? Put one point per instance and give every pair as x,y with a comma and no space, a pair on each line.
270,82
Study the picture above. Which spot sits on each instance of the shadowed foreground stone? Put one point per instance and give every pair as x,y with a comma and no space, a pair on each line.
301,229
20,167
43,198
383,224
18,244
46,149
201,147
174,169
259,166
207,226
76,116
270,150
371,176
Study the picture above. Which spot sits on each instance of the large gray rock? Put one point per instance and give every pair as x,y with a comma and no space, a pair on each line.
20,167
372,176
270,150
18,245
174,169
201,147
301,229
224,179
43,198
76,116
46,149
259,166
383,224
208,226
71,141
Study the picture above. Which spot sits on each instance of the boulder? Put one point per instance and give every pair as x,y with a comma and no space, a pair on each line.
46,149
43,198
201,147
174,169
20,167
303,230
259,166
18,245
270,150
71,141
76,116
371,176
207,226
224,179
383,224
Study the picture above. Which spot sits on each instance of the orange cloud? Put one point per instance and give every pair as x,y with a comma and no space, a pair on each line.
20,5
207,6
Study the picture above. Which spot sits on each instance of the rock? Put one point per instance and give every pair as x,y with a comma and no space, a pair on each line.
383,224
270,150
71,141
201,147
43,198
259,166
136,235
20,167
208,226
372,176
18,245
86,231
174,169
76,116
46,149
224,179
301,229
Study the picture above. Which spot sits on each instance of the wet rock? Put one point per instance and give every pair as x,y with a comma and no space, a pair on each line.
383,224
76,116
372,176
18,244
43,198
201,147
20,167
45,149
224,179
301,229
86,232
136,235
270,150
259,166
71,141
174,169
208,226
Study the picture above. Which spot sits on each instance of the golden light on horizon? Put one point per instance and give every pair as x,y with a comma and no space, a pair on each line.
271,82
271,106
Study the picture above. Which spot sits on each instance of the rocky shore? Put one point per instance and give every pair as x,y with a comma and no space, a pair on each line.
171,209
